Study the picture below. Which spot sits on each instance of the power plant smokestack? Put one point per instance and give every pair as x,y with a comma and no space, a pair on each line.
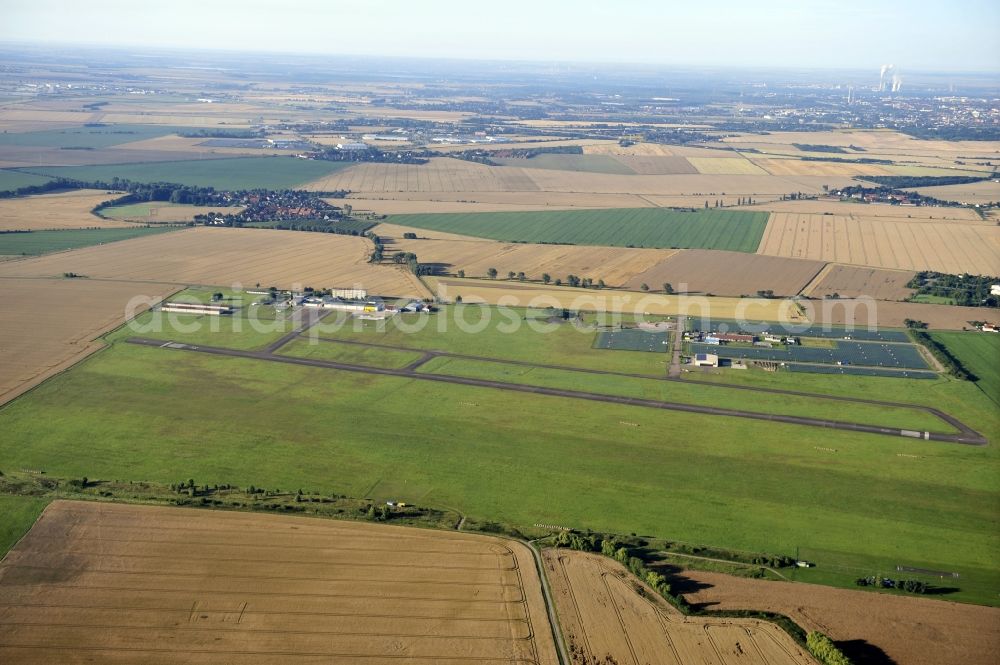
897,82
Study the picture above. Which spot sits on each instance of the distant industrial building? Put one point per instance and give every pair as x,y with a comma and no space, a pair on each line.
353,147
196,308
349,294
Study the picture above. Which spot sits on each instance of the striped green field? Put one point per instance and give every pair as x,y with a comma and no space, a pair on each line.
737,231
980,354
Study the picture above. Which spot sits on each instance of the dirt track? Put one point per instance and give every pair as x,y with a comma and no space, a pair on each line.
113,583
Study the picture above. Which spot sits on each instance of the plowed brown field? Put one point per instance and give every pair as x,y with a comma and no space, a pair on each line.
852,281
608,616
615,265
228,256
46,325
728,273
114,583
906,244
909,630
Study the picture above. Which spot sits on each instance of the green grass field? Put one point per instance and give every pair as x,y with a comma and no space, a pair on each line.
583,163
234,173
459,329
11,180
687,393
638,227
17,514
43,242
150,414
980,354
350,353
86,137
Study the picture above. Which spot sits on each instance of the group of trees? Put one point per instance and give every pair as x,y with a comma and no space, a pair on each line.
825,651
879,582
966,290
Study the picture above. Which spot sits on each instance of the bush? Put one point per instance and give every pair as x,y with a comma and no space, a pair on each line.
823,648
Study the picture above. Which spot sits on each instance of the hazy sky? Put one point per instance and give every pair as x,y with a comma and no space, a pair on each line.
913,34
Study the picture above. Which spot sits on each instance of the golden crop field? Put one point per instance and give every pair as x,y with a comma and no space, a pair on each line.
963,633
986,191
517,294
729,166
165,585
656,165
728,273
615,265
609,617
792,166
499,201
227,256
907,244
65,210
891,314
837,207
409,206
46,325
854,281
441,174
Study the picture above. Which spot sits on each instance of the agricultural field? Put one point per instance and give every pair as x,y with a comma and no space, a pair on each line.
644,227
19,513
439,175
608,616
155,212
910,244
888,313
85,137
557,162
728,166
978,353
34,243
615,265
227,173
227,256
986,191
916,631
727,273
656,165
38,339
418,202
516,294
529,469
65,210
11,180
854,281
867,210
304,589
386,206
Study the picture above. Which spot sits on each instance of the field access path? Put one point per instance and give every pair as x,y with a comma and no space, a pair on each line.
967,435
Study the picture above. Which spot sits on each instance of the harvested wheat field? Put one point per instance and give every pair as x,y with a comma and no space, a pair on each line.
729,166
853,281
228,256
608,616
109,583
910,244
728,273
654,165
986,191
615,265
909,630
46,325
892,314
439,175
799,167
66,210
728,187
386,206
517,294
838,207
501,201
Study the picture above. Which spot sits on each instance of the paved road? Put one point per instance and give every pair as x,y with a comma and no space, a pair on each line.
964,438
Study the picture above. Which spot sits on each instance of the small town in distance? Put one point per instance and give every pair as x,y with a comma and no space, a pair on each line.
406,334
